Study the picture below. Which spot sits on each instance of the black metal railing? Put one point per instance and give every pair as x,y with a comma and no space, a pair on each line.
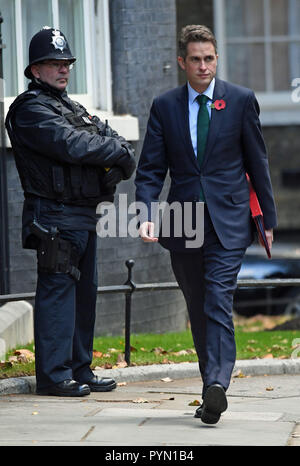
131,287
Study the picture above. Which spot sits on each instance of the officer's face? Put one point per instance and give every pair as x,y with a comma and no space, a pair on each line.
53,72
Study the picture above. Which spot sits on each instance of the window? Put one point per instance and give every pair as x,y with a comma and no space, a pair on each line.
7,8
260,47
71,23
22,19
85,24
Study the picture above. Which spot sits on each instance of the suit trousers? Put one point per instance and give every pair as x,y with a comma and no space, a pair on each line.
64,317
208,280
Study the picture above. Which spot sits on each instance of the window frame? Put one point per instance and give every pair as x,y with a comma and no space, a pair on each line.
97,96
98,99
277,107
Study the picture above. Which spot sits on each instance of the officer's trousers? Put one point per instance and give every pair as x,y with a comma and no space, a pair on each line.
64,317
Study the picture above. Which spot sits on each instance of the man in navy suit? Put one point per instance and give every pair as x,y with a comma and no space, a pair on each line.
207,134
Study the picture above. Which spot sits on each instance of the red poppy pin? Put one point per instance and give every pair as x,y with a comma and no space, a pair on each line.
218,104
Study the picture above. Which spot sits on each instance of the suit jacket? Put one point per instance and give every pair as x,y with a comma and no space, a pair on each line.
234,146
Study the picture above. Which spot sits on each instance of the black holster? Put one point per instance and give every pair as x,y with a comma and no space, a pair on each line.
55,254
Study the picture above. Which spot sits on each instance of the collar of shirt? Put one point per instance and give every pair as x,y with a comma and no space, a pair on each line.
194,108
208,92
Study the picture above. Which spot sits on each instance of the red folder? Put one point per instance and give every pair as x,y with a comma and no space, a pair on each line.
258,218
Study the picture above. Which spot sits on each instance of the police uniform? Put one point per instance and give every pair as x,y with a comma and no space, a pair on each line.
68,161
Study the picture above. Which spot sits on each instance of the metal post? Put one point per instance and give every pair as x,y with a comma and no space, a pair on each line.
4,241
128,294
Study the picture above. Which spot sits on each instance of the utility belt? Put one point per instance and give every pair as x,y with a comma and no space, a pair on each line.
55,254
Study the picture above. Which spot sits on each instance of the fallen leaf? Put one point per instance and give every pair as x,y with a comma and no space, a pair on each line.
13,360
166,379
277,347
121,384
184,352
140,400
35,413
21,356
6,364
132,348
238,374
24,355
107,365
97,354
194,403
159,350
120,365
251,349
269,389
268,356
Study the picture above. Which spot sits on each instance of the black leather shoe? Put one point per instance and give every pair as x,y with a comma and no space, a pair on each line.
66,388
214,403
103,384
198,411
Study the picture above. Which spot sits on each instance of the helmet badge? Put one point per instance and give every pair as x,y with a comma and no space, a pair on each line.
58,41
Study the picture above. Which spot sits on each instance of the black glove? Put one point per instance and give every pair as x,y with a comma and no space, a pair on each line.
127,162
113,177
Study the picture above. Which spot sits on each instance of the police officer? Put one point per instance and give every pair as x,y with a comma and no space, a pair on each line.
68,161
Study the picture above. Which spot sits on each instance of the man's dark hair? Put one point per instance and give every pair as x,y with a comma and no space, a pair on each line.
195,33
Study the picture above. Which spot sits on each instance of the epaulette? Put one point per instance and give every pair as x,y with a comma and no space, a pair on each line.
27,95
21,98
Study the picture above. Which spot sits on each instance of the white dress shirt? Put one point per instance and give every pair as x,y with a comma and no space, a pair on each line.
194,108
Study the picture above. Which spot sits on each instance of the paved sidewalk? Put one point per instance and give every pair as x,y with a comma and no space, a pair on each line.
158,371
264,410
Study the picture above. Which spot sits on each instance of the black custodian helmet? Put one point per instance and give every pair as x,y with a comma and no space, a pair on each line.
48,44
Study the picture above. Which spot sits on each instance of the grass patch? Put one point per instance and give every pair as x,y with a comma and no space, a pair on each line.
266,344
252,340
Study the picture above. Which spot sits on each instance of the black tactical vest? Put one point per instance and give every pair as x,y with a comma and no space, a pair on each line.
48,178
